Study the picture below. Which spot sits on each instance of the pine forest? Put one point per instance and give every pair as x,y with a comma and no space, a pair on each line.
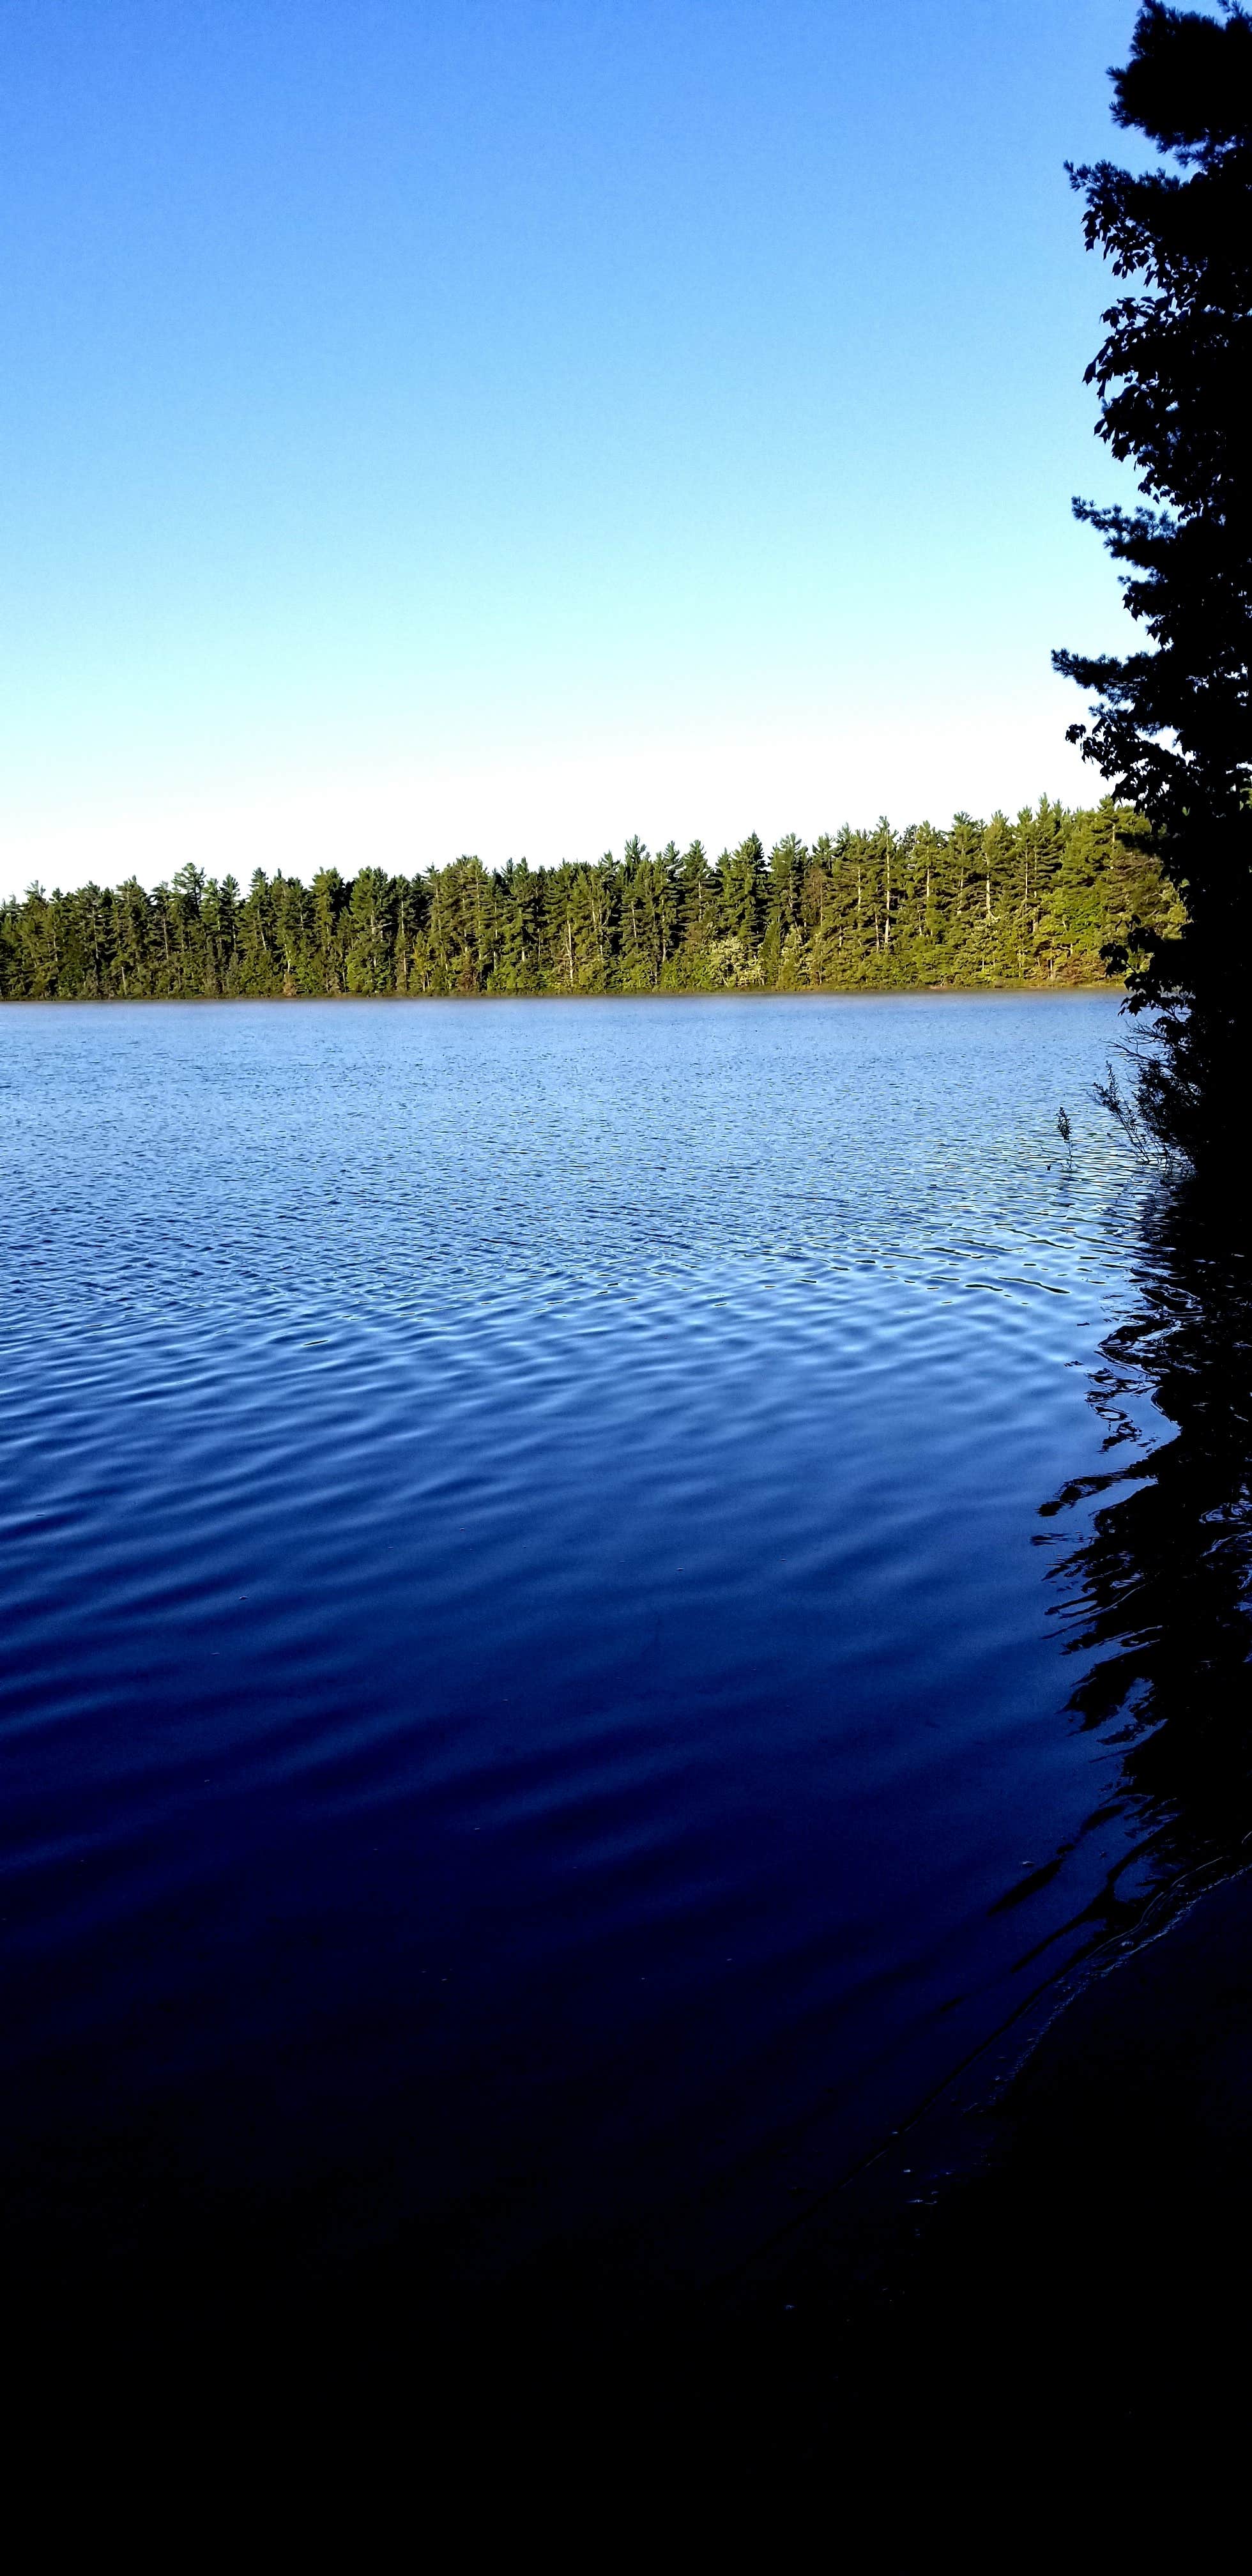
1036,902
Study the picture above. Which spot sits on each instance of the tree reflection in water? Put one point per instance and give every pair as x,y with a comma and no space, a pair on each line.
1158,1592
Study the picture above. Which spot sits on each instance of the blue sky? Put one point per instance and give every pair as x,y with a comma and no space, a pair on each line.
505,425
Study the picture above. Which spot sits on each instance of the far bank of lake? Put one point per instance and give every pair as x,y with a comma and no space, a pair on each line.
1044,901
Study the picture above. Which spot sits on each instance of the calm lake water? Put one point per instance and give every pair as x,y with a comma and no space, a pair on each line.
538,1711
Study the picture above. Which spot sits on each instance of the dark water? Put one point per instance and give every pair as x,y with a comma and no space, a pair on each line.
540,1712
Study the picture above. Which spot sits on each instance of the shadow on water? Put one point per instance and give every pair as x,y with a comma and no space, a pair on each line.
928,2343
1155,1597
1155,1602
1102,2249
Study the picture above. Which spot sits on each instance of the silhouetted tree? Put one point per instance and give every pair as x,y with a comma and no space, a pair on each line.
1171,727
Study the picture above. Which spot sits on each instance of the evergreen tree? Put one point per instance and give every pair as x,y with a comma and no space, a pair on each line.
1172,723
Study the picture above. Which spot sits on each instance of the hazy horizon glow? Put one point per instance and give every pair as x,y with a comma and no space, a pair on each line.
512,424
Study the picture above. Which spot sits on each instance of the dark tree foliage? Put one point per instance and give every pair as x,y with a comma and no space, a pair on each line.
1171,726
1035,901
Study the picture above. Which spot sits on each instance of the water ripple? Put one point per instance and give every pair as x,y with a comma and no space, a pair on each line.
525,1655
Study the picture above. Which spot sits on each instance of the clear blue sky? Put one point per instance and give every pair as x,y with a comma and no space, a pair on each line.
431,425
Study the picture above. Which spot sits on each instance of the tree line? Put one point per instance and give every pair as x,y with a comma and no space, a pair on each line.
1035,901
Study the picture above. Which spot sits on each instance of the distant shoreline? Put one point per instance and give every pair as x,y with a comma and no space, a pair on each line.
672,993
1048,900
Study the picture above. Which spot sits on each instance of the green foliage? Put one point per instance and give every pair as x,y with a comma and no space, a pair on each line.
1030,902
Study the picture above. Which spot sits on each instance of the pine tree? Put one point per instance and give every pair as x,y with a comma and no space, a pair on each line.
1172,723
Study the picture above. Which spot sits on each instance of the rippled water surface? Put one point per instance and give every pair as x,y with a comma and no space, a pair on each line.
532,1722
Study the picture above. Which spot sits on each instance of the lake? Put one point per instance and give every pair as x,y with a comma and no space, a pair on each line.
539,1708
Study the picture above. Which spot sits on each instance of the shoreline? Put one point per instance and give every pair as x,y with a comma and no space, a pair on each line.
1087,2202
358,1001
